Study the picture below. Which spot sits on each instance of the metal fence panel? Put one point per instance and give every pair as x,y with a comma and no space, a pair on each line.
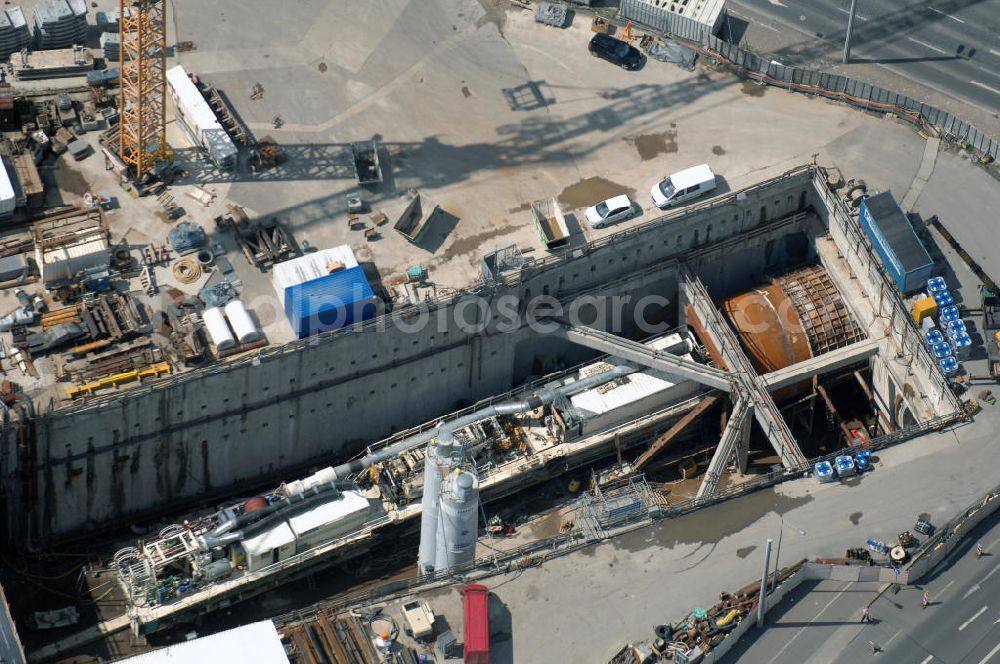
750,65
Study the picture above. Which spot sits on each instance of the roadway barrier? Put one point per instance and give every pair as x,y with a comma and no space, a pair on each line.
944,541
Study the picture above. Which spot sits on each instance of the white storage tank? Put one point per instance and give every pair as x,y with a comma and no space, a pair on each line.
434,454
218,331
458,527
241,322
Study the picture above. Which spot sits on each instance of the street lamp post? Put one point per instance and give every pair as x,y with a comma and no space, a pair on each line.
850,32
777,552
763,584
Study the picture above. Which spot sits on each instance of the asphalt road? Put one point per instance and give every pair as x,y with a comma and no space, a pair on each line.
952,46
961,623
819,623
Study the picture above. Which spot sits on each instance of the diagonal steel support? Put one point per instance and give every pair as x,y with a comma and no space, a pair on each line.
825,363
633,351
737,429
663,441
764,409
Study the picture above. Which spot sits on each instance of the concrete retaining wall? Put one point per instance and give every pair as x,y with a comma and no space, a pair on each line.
257,420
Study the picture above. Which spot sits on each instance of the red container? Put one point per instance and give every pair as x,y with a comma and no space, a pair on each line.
476,627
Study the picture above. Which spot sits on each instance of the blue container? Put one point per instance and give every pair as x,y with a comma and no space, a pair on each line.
936,284
941,350
949,366
933,337
892,237
330,302
943,298
949,313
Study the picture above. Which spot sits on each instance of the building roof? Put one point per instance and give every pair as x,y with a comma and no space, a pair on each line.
268,540
257,642
631,388
27,173
191,101
349,504
703,11
310,266
895,232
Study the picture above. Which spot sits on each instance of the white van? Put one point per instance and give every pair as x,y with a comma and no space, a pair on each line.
683,186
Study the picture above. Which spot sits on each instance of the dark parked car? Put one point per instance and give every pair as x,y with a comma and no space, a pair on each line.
617,51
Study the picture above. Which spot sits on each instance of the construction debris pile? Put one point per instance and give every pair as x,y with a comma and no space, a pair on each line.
345,638
693,638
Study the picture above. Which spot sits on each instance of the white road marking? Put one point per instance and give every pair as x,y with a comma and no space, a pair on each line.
985,87
992,572
994,52
929,658
848,12
811,620
970,591
969,621
948,585
779,3
991,653
926,45
765,25
938,11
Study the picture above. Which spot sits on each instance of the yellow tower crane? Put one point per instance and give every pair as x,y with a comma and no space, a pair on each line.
142,105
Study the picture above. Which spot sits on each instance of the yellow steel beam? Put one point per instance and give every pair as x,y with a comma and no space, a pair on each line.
152,371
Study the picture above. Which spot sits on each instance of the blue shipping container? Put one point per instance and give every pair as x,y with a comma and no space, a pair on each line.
330,302
905,258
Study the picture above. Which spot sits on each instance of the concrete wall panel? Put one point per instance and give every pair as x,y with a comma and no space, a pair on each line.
254,420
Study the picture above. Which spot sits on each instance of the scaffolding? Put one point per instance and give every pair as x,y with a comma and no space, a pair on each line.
143,53
615,504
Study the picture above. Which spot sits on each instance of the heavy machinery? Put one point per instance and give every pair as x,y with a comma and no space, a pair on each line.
990,303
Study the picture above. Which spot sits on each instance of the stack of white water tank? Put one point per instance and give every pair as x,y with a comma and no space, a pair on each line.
229,326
